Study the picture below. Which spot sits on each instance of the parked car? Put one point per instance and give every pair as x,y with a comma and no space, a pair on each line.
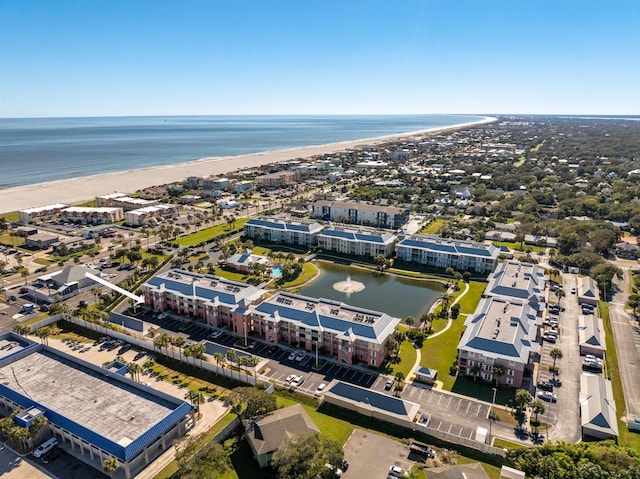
592,367
292,356
297,381
547,396
573,290
389,384
272,349
320,388
162,316
591,357
550,338
124,349
395,471
52,455
545,386
290,378
300,356
216,334
45,447
139,355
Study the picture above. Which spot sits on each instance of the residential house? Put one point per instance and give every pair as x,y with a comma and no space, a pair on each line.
268,433
597,407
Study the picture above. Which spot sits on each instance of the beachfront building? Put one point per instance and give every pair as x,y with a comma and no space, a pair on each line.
436,252
242,186
143,216
92,215
501,332
348,333
352,212
524,281
214,300
91,411
282,231
124,201
357,241
277,179
40,213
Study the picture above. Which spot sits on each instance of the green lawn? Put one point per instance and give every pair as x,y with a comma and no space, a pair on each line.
308,272
517,246
209,234
13,241
626,438
333,428
469,301
433,227
440,352
492,471
504,444
43,261
407,357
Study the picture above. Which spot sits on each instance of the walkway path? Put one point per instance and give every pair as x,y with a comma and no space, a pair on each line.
416,364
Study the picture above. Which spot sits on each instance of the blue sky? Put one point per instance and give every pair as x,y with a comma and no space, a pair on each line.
136,57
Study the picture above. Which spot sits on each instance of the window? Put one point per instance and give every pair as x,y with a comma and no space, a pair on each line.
510,372
509,381
471,363
512,363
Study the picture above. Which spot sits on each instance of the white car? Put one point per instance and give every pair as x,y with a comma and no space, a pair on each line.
395,471
290,378
592,358
321,388
297,381
292,356
162,316
300,356
547,396
216,334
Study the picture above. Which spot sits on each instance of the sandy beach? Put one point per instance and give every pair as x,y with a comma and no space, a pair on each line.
75,190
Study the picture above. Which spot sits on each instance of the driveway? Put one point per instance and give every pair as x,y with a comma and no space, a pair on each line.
626,333
13,466
370,455
565,414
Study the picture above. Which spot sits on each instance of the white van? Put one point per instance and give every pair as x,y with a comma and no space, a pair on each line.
45,447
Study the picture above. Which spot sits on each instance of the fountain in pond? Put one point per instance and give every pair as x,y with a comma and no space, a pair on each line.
349,286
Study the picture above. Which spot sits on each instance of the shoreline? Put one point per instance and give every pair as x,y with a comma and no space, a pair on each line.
75,190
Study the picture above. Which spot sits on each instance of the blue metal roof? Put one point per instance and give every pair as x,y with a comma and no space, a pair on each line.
187,290
447,248
354,236
367,396
305,227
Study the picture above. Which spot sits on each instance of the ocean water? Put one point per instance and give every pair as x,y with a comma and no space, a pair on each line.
37,150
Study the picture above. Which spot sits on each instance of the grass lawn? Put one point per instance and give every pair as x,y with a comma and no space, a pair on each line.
503,443
333,428
43,261
79,254
517,246
469,301
208,234
11,217
440,352
172,467
242,461
477,389
308,272
13,241
492,471
433,227
407,357
626,437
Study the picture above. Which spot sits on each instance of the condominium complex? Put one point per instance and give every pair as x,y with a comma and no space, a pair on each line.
346,332
357,241
92,215
388,217
277,179
523,281
40,213
349,333
285,231
501,332
143,216
439,252
124,201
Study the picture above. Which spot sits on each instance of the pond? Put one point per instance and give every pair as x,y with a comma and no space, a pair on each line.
400,297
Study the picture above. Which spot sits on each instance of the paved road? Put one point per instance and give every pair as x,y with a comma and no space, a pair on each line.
13,466
626,334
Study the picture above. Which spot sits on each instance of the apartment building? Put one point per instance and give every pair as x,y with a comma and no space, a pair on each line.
277,179
142,216
501,332
388,217
281,230
357,241
349,333
216,301
92,215
40,213
524,281
124,201
439,252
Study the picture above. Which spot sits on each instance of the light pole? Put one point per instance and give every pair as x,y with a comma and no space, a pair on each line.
316,342
493,402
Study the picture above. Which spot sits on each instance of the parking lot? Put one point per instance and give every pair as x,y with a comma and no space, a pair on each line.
451,414
370,455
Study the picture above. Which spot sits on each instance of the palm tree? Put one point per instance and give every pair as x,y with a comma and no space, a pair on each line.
43,334
96,292
179,342
134,371
498,371
195,398
537,407
560,294
556,354
110,465
475,370
198,352
522,399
